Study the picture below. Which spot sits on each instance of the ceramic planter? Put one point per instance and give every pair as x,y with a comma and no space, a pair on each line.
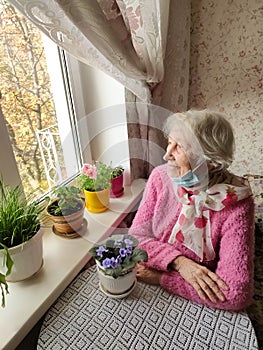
27,258
120,286
97,202
117,189
68,224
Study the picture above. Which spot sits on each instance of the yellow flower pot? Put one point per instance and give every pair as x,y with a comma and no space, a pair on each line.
97,202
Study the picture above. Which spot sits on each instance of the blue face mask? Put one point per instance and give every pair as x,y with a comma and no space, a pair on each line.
187,180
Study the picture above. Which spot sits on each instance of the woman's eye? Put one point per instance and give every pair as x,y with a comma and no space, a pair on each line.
174,146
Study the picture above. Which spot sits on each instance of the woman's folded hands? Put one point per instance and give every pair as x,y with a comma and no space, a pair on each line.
206,283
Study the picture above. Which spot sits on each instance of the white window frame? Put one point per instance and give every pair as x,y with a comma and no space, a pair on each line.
79,92
67,94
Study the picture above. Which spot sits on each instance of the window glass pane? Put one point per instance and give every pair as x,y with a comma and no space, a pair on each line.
37,119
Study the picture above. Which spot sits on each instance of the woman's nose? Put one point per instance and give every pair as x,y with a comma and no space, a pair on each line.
166,157
168,154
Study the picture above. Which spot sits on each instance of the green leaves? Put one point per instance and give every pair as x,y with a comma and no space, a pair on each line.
113,272
118,254
139,255
100,182
19,221
68,201
19,218
8,263
117,171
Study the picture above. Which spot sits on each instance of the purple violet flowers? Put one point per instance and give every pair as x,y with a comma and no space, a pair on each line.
115,256
118,254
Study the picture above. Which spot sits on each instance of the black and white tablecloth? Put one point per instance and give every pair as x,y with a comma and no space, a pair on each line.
149,318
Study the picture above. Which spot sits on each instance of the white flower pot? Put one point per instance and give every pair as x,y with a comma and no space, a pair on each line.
116,286
27,258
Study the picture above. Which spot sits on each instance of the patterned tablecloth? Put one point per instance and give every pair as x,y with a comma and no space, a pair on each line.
149,318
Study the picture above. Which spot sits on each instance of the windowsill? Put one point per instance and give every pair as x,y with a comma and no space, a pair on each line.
28,300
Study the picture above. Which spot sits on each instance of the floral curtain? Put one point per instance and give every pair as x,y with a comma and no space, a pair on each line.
146,142
127,39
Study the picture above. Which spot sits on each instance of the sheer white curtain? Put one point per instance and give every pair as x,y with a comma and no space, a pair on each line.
143,44
146,142
124,38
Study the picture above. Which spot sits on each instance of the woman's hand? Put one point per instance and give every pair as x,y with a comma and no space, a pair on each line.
148,275
205,282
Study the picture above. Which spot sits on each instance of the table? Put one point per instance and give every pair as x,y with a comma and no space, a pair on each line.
63,259
149,318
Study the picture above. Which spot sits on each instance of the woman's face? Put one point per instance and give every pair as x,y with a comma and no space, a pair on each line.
178,163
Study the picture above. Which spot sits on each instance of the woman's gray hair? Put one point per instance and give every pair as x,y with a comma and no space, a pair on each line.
213,132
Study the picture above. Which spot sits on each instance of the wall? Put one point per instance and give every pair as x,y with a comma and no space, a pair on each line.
226,71
106,118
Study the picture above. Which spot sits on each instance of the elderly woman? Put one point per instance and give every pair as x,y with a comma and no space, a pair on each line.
196,219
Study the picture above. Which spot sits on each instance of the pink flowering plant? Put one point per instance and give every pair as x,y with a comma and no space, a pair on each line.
95,177
117,255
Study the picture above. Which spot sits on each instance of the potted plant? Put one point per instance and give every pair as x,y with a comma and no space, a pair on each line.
117,189
95,181
116,259
66,210
21,251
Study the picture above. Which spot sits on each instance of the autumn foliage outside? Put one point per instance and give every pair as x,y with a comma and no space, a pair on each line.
26,99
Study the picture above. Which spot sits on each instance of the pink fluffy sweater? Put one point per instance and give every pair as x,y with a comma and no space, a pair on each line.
232,231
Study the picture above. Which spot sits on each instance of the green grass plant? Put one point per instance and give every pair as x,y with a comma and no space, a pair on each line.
19,221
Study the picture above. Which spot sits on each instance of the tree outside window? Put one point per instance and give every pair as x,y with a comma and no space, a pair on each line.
26,100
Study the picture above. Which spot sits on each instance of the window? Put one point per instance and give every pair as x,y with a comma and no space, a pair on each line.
38,130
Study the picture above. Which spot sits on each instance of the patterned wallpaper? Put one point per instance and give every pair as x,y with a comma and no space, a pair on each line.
226,71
